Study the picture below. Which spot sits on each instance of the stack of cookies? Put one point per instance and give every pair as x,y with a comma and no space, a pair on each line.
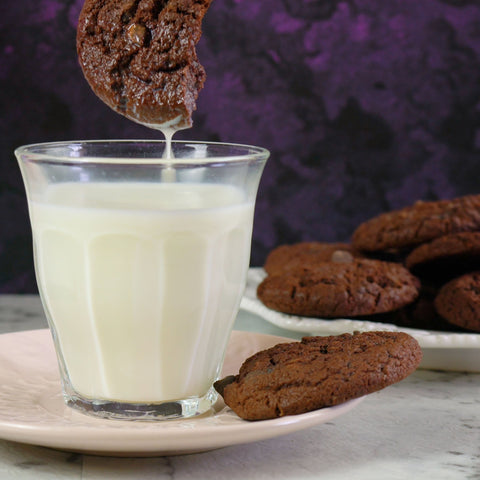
417,267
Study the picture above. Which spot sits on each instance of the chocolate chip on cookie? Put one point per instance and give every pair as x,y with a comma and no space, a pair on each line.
418,223
139,57
285,257
298,377
332,290
446,257
458,301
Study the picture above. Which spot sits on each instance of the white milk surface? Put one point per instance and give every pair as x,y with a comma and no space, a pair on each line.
142,283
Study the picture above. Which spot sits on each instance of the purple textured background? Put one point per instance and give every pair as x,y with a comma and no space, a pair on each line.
366,105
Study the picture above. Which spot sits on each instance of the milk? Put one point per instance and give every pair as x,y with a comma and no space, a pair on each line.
141,283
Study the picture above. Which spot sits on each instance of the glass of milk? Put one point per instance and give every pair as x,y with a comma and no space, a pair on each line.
141,263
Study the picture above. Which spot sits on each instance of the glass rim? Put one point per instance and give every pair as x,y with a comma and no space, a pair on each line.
37,152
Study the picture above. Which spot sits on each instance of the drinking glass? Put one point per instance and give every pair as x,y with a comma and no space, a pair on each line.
141,263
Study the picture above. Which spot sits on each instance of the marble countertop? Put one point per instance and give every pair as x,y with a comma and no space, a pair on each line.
425,427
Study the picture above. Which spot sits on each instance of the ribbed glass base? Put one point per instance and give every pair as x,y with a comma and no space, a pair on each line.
169,410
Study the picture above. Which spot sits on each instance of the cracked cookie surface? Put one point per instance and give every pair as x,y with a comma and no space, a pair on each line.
446,257
332,290
286,257
418,223
458,301
297,377
139,57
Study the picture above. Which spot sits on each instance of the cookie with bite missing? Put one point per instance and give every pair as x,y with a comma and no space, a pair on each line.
285,257
418,223
139,57
338,289
298,377
458,301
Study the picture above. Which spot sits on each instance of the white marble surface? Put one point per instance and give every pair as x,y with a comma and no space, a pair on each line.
426,427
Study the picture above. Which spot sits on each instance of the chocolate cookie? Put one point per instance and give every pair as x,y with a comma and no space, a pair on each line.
286,257
458,301
446,257
139,57
418,223
420,314
294,378
332,290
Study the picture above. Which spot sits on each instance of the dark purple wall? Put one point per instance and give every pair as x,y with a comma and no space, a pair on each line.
366,105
